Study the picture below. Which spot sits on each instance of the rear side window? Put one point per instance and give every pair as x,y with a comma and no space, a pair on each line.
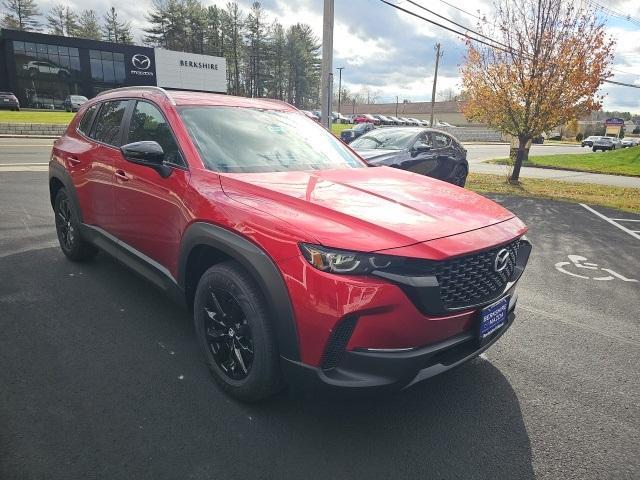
107,124
440,140
85,122
148,124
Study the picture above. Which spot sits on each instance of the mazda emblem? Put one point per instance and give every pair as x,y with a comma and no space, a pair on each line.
503,258
140,61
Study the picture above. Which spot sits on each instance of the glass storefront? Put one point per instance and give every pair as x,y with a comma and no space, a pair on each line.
46,74
107,70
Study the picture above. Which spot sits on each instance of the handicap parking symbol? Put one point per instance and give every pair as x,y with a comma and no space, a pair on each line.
580,262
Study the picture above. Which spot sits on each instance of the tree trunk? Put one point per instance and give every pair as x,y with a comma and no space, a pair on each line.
521,156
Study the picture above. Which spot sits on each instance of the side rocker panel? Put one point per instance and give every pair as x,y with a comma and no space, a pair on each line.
261,267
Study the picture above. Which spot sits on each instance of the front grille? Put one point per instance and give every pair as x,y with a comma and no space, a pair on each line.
338,343
472,279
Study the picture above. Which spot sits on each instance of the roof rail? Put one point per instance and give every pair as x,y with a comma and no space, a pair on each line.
140,87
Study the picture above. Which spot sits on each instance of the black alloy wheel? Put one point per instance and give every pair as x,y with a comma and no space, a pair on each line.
235,332
228,334
71,242
65,226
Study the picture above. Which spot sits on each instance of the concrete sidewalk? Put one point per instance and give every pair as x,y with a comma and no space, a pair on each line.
564,175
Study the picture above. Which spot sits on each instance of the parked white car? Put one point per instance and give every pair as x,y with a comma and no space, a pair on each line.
42,66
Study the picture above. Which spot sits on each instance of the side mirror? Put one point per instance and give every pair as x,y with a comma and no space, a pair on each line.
148,153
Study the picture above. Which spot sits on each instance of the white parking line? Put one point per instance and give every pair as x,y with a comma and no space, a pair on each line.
626,219
633,233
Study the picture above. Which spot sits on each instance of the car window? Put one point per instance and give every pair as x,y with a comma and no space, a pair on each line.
148,124
440,140
385,139
108,122
423,140
85,122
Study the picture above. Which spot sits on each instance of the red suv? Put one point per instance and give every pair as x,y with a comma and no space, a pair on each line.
297,259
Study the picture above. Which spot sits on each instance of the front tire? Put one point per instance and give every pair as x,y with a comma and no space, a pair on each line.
459,176
235,333
67,219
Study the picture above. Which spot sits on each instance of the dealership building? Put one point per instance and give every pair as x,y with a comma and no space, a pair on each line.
43,70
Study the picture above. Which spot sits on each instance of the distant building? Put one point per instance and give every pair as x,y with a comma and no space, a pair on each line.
42,70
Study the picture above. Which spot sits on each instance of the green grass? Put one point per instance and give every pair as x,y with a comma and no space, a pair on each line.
336,128
627,199
625,161
26,116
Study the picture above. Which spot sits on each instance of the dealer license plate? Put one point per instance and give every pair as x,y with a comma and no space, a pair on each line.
493,318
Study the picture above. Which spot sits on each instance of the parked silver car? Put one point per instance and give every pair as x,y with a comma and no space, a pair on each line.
606,143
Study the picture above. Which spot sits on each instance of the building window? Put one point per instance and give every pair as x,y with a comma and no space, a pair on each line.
107,67
46,74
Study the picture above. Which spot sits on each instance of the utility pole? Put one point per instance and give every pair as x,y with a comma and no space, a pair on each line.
339,87
396,106
435,79
327,64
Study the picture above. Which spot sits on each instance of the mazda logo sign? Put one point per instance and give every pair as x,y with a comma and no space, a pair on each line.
140,61
503,258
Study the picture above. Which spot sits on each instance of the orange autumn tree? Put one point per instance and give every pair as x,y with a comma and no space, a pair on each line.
547,61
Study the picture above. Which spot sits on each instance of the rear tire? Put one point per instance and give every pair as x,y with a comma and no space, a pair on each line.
67,221
235,333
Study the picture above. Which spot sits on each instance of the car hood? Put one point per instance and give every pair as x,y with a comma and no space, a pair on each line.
365,209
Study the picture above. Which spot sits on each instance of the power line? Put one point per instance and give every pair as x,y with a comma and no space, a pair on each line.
455,23
444,26
477,40
464,11
610,11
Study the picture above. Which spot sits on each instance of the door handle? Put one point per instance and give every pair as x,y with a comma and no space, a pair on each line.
121,175
73,160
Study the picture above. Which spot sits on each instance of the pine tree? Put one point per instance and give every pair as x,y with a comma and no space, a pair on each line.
213,33
256,36
88,26
21,15
233,44
114,30
62,21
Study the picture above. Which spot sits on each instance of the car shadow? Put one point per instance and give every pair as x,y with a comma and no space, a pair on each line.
464,424
125,392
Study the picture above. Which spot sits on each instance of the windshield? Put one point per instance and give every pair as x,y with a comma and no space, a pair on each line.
385,139
231,139
78,98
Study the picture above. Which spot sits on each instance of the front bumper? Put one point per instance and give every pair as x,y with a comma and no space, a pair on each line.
362,370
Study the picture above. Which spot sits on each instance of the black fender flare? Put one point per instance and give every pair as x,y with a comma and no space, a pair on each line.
259,265
58,172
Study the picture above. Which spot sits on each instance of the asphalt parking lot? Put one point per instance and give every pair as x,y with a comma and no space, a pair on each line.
102,378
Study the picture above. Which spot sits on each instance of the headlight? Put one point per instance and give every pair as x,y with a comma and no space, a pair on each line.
345,262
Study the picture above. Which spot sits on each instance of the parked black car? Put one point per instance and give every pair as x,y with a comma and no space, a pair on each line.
421,150
9,101
360,129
